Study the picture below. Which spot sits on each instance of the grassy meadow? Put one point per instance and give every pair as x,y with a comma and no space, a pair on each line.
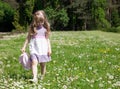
80,60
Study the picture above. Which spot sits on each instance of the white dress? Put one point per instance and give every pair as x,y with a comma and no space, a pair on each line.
38,46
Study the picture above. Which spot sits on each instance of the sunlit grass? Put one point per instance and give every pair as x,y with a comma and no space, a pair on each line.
80,60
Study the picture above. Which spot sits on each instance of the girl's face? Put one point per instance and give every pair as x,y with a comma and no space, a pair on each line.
39,17
39,14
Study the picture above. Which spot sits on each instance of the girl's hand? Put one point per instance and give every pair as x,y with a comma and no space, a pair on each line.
23,50
49,53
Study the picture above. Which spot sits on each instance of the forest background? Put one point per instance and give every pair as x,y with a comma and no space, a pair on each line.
75,15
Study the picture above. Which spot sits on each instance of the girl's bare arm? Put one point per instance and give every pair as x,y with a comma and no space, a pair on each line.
26,42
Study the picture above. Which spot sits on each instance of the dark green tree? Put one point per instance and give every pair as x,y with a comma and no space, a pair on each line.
23,15
113,12
6,16
99,14
81,15
115,18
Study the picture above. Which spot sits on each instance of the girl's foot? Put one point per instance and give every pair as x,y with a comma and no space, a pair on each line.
41,77
34,80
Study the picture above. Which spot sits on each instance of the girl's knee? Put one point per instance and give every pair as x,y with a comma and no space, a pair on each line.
34,62
42,64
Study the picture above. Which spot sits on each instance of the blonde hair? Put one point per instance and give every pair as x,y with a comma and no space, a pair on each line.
39,21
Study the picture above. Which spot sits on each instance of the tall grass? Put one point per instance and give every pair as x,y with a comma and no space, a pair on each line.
80,60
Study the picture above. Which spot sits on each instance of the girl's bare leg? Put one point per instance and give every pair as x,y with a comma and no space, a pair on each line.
43,69
34,69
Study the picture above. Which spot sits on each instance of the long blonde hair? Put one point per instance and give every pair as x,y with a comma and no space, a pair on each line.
39,21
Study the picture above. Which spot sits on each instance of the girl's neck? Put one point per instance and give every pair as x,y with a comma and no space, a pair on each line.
40,26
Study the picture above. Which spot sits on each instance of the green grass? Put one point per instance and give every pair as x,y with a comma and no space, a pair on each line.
80,60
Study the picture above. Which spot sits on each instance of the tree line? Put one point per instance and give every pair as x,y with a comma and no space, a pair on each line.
66,15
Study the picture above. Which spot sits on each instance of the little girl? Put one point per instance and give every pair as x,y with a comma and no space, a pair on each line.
39,43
